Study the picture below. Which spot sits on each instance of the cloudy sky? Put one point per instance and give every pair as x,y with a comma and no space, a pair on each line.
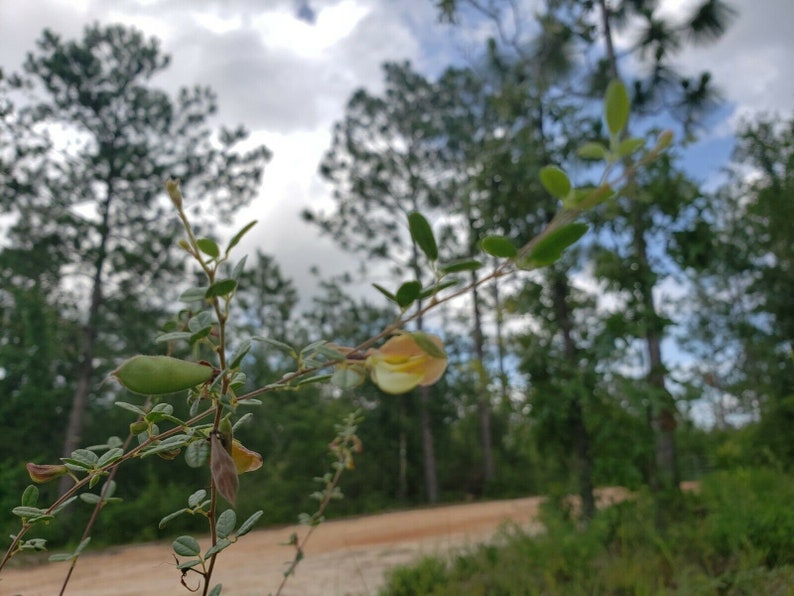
285,69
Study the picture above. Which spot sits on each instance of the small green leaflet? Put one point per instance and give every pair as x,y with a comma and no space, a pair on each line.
422,234
499,246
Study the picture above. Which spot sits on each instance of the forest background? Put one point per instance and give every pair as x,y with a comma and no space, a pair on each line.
658,350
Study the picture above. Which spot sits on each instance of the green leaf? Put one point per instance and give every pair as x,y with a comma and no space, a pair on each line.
616,107
555,181
90,498
391,297
219,546
110,456
63,505
629,146
82,458
458,266
239,353
330,353
427,345
664,140
312,346
223,287
310,381
29,512
239,235
196,453
550,248
276,344
196,498
171,516
248,524
131,407
208,247
239,267
422,234
193,295
186,546
172,336
216,590
30,496
201,320
225,523
499,246
588,197
433,290
60,557
243,419
190,563
408,293
592,151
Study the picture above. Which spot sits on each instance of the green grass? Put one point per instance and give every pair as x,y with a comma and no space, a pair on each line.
735,537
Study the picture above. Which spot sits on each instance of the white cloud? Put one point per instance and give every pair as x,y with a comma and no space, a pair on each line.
288,80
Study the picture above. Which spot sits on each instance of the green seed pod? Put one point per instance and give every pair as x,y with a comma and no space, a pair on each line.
157,375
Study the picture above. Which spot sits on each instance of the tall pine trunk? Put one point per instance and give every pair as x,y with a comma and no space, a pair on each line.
663,410
483,398
581,437
74,428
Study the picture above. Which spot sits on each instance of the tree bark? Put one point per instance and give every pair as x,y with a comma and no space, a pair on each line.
74,428
483,398
663,412
581,437
428,448
428,444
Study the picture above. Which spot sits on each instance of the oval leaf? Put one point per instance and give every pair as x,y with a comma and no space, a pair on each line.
422,234
555,181
186,546
458,266
208,247
629,146
408,293
616,107
223,287
249,523
391,297
499,246
427,345
550,249
226,522
239,235
592,151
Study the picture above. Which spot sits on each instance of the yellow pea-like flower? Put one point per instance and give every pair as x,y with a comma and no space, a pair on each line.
245,460
406,361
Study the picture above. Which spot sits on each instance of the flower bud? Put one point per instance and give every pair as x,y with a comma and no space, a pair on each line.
41,473
158,375
138,427
172,186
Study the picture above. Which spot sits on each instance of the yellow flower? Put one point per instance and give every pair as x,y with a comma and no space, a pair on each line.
406,361
245,460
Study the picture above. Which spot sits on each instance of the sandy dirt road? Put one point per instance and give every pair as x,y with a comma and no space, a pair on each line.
345,557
